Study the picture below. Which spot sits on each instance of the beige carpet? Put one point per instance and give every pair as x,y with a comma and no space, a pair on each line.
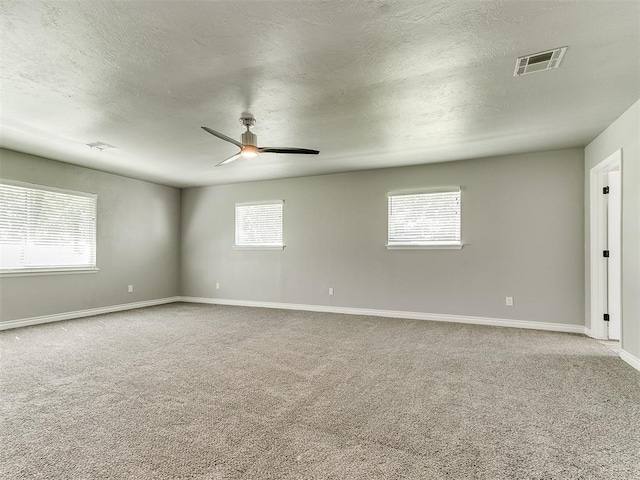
211,392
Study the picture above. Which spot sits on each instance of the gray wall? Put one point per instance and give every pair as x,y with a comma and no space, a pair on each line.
138,242
523,229
623,133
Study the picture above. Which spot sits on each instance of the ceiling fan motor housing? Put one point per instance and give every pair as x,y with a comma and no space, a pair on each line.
249,138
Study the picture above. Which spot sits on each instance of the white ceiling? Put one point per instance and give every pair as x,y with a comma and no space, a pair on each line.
369,83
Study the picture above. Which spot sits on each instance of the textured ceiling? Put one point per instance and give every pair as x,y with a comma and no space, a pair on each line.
369,83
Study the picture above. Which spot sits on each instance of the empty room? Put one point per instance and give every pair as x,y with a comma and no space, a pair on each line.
299,239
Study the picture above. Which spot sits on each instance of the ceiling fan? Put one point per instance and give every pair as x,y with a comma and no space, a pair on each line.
249,147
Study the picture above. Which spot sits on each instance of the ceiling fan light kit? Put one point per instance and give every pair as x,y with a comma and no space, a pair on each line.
249,145
249,151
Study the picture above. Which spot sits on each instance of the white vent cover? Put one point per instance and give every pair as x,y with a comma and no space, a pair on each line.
100,146
539,62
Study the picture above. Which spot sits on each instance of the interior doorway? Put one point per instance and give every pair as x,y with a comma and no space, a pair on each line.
605,254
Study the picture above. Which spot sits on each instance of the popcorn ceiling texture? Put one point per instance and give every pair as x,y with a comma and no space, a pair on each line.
214,392
369,84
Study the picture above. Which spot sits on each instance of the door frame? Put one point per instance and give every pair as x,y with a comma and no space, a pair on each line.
598,234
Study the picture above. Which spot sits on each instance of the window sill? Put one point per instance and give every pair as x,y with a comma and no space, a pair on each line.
27,272
258,247
456,246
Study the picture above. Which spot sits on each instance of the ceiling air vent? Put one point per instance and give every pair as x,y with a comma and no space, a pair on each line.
100,146
539,62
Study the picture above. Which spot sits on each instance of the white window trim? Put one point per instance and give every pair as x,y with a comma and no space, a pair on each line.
258,247
417,191
34,271
47,188
404,246
426,246
263,202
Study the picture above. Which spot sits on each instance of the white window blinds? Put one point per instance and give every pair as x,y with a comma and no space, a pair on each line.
46,228
259,224
425,219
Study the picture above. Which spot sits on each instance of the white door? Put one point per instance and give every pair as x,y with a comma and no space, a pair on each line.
614,260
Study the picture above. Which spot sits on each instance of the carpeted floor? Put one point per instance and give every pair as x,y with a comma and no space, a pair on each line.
212,392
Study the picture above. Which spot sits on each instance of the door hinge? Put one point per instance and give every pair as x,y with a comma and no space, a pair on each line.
605,190
606,317
605,253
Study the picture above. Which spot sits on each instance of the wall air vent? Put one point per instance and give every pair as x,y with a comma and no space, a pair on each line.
539,62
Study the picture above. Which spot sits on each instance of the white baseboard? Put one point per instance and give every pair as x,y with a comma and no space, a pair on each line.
630,359
589,333
438,317
23,322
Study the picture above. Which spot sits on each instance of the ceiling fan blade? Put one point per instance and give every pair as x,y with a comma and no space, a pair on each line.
288,150
230,159
222,136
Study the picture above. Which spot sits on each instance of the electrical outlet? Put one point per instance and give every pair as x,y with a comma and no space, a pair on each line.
130,289
330,290
509,301
217,286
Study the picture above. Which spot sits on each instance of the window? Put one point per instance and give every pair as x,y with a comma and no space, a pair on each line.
425,220
259,225
45,229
